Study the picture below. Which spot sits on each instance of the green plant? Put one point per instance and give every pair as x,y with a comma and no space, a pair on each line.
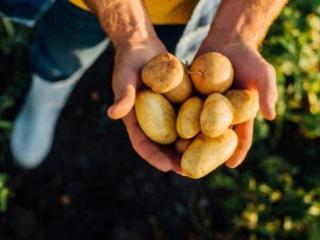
4,192
293,47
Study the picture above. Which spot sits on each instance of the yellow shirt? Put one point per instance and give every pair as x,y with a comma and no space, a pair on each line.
162,11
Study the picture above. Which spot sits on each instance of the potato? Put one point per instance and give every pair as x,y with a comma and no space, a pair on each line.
156,117
245,104
211,73
162,73
206,154
188,120
181,145
183,91
216,115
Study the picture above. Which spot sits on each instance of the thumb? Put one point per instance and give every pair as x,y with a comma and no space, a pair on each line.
123,103
268,94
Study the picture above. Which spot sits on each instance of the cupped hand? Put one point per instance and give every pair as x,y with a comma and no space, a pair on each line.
252,72
125,82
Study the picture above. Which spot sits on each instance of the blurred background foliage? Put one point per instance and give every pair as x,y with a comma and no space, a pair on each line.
293,47
276,193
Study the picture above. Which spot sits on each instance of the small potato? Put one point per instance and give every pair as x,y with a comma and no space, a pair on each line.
206,154
216,115
245,104
182,144
188,120
212,73
182,92
162,73
156,117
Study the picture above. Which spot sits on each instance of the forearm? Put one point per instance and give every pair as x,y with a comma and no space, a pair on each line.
244,21
125,21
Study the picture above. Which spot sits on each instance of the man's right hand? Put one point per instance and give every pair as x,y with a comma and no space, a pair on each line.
126,80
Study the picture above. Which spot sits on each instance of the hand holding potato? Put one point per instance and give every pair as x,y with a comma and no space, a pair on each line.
254,73
208,116
126,79
158,120
211,114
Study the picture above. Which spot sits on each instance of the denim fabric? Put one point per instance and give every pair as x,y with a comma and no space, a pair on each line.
25,11
196,29
65,40
68,39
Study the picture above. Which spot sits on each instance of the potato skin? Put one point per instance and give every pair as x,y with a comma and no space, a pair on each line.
211,72
188,120
162,73
181,145
206,154
245,104
216,115
183,91
156,117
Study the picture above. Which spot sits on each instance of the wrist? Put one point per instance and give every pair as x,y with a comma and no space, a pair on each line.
226,44
135,38
125,22
139,53
240,30
140,45
242,22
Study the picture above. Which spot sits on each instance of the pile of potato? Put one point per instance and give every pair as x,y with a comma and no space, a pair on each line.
194,109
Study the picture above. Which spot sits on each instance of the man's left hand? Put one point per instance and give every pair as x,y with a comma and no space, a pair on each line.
252,72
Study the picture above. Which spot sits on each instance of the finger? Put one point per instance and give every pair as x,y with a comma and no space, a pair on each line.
160,158
244,132
124,104
175,160
268,93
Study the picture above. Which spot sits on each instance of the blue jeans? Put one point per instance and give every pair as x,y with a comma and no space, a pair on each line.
62,38
25,11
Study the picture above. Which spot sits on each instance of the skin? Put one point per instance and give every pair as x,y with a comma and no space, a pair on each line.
237,31
248,23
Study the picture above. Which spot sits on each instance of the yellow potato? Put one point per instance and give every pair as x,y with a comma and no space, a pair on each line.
216,115
188,120
182,92
206,154
162,73
182,144
245,104
156,117
212,73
